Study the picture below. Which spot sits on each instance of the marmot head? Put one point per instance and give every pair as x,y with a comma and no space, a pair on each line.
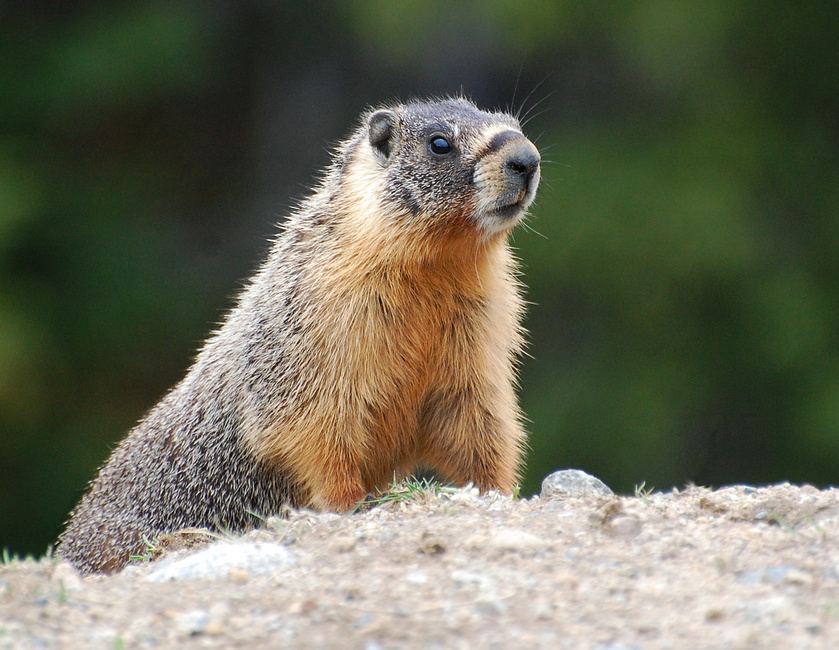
446,165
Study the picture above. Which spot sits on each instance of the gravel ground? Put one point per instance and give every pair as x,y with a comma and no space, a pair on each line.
739,567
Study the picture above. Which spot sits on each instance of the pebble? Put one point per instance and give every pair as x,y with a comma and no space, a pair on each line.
625,526
573,483
516,540
67,576
193,622
417,578
431,544
223,559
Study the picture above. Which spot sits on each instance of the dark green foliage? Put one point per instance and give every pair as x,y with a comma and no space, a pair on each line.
686,283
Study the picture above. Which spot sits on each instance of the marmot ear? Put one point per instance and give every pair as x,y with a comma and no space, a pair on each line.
383,131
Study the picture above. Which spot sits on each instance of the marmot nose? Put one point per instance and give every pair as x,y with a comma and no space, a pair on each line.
522,160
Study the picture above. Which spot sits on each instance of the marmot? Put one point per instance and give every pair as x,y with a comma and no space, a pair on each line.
381,335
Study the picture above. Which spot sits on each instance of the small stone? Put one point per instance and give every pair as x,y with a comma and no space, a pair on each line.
303,607
714,614
467,499
625,526
431,544
67,576
215,628
218,561
193,622
364,621
769,611
542,609
417,578
484,582
238,575
342,543
566,581
491,609
573,483
797,577
515,540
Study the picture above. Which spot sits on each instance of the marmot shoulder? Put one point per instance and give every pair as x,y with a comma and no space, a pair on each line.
381,335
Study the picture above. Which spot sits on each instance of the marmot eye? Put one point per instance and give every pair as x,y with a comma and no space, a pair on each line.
440,145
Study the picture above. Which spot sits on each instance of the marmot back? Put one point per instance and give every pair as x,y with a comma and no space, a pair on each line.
380,336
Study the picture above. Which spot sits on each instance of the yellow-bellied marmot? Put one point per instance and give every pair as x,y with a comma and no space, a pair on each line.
380,335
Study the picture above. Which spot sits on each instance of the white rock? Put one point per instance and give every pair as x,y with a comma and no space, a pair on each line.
508,539
217,561
573,483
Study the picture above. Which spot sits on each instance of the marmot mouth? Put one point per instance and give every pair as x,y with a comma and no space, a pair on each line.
514,208
510,211
513,201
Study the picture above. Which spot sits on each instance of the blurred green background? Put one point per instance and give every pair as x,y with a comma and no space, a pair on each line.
684,269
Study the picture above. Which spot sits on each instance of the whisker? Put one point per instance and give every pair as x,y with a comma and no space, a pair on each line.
529,119
530,228
529,95
516,88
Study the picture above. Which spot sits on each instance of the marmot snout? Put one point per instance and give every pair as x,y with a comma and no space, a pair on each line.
506,180
380,336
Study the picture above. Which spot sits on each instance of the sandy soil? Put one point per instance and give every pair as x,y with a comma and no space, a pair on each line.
738,567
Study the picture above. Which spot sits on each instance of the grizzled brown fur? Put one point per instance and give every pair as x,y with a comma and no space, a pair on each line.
380,335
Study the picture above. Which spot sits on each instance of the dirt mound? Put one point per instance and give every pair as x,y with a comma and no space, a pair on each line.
739,567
